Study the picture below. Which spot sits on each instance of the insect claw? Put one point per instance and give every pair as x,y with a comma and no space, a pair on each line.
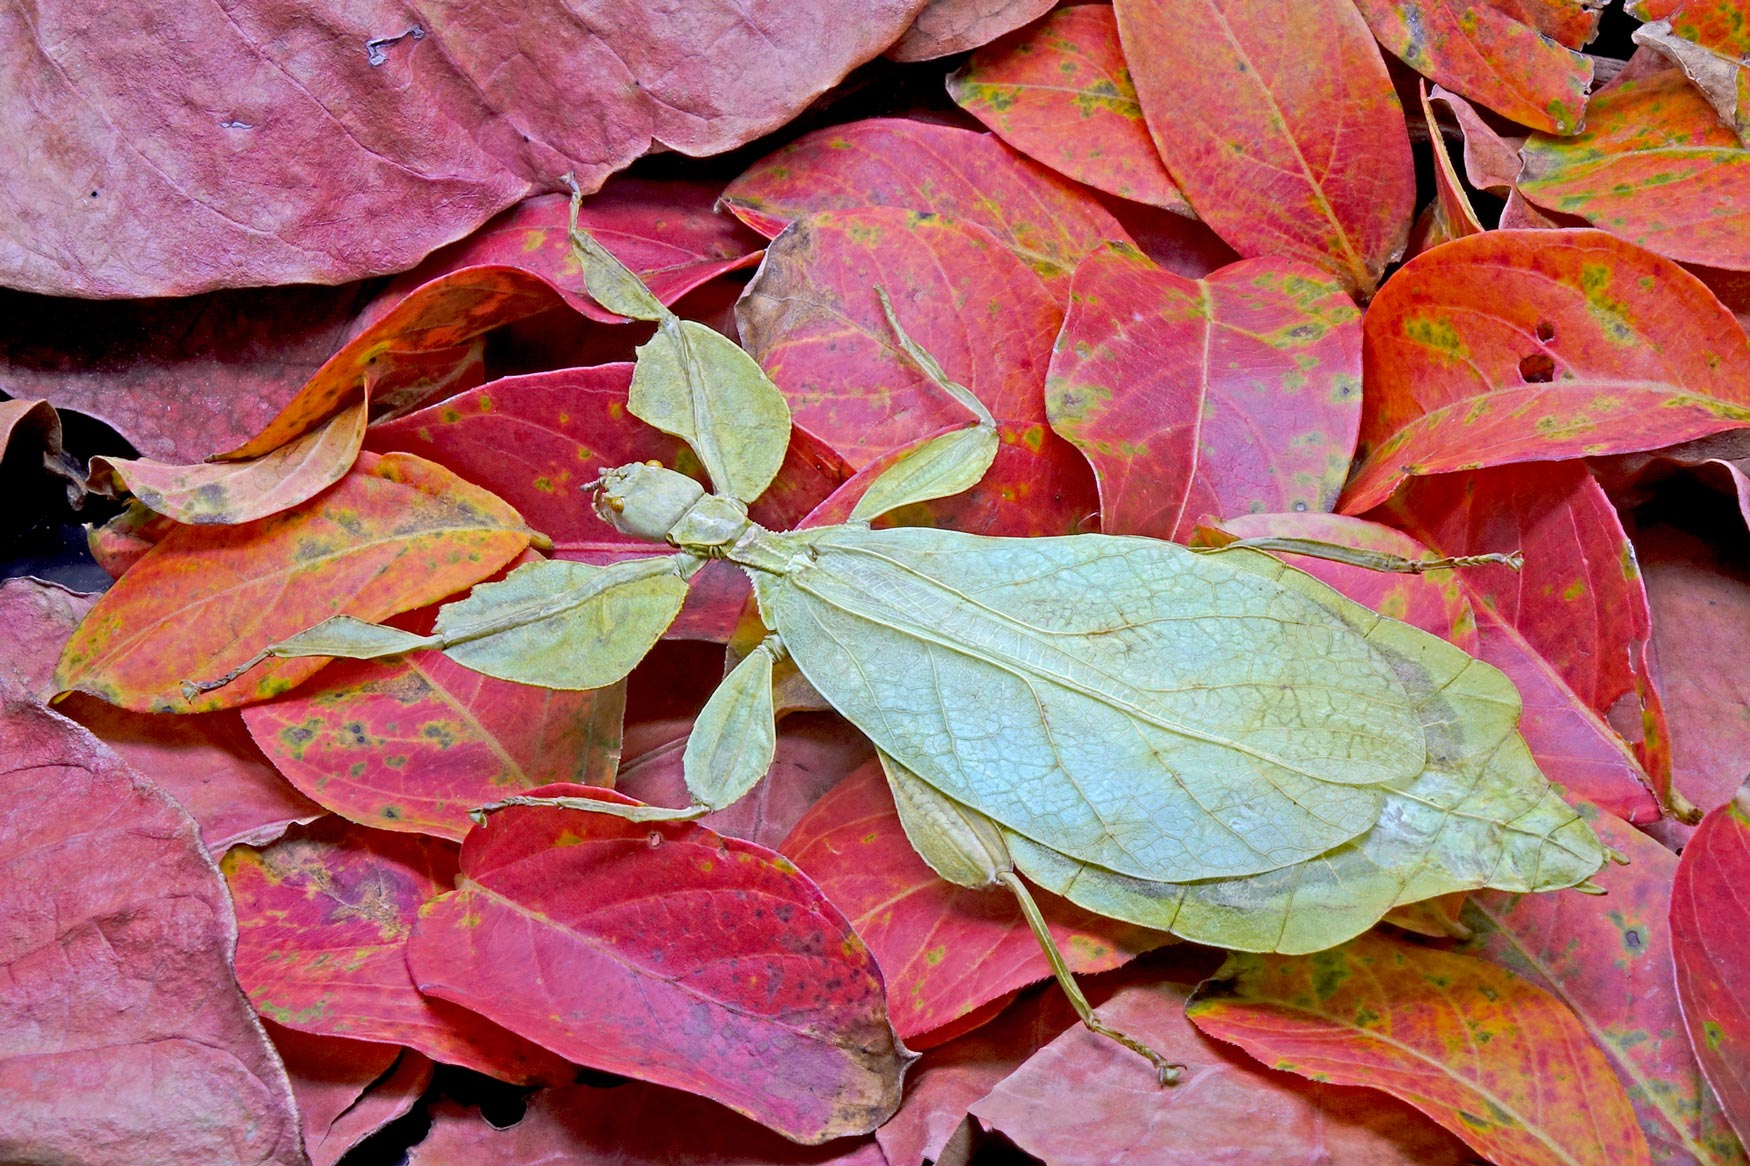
1166,1072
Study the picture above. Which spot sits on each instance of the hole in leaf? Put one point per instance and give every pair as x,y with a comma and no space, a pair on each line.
1545,331
1537,369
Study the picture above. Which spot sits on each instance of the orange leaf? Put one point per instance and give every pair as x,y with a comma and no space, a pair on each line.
1502,1064
1516,346
423,337
1608,957
1487,55
1059,92
1654,166
396,533
225,493
1280,125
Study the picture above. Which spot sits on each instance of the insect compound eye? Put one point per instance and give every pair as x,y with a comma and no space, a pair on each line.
645,500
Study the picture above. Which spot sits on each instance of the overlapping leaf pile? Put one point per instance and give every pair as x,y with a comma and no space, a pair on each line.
1160,242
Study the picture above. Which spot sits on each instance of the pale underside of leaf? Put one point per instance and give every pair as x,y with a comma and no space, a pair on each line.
1480,815
1120,700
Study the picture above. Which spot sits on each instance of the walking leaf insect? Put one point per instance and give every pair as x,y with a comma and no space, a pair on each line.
1215,745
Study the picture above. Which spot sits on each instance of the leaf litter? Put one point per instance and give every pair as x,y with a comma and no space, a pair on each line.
1089,741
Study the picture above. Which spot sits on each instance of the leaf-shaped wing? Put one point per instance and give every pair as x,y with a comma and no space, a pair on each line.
1120,700
1480,815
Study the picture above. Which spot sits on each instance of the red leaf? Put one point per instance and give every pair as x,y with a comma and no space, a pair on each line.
1450,216
1084,1101
1609,959
1497,1061
328,1074
1182,246
205,761
1655,166
950,1078
945,950
931,169
1060,93
390,1098
396,533
35,620
1516,346
415,743
811,317
1491,161
323,917
535,440
178,378
1027,492
1710,917
629,1125
1489,56
666,232
1700,601
1233,394
1563,21
690,960
815,753
266,148
122,1035
1721,461
945,27
124,540
1280,126
1571,629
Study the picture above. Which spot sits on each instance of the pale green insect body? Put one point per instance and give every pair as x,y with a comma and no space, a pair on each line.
1123,701
1217,746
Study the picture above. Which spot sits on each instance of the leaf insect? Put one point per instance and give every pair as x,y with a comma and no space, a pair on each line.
1212,744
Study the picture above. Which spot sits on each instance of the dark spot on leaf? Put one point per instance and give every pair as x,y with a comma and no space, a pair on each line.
1632,938
1537,369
